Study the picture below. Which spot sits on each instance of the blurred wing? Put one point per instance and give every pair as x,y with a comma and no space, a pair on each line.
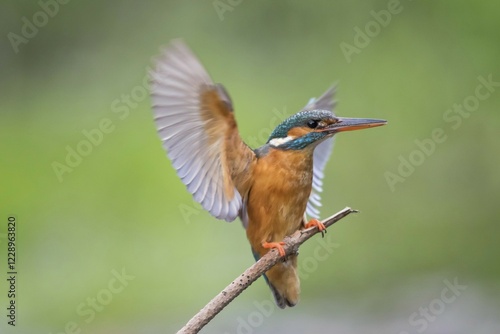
321,154
194,117
324,102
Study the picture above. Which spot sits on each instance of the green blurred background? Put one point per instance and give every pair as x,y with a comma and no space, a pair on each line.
122,207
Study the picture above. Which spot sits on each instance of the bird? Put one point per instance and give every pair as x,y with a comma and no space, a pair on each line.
272,188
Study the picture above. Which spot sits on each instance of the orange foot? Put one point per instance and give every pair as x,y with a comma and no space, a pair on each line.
277,245
321,227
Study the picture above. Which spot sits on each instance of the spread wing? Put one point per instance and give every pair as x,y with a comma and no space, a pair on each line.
321,154
195,121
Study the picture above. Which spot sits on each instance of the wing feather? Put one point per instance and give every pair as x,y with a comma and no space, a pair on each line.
194,118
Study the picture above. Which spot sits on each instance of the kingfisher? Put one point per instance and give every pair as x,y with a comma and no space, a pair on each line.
273,188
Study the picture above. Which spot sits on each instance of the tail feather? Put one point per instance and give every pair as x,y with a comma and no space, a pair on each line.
283,281
278,298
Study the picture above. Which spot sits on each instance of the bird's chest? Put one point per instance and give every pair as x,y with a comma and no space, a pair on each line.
281,188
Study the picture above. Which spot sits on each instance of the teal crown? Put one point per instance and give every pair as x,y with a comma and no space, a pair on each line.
300,119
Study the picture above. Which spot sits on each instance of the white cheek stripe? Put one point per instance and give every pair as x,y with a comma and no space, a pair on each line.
280,141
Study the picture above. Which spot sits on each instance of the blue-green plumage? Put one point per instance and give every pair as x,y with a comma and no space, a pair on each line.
305,118
299,119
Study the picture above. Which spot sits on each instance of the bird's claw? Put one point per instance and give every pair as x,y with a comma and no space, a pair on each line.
316,223
277,245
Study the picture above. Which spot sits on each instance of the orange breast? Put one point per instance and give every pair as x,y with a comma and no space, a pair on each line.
278,196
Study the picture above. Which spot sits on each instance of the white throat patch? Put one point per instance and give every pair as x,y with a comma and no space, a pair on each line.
280,141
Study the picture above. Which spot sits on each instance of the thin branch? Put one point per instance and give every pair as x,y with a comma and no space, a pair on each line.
250,275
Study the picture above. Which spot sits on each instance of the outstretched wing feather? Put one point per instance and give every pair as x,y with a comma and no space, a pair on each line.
192,120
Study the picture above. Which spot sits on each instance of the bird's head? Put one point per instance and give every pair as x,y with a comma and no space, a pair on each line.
310,127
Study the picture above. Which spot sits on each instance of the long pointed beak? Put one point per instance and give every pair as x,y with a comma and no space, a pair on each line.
350,124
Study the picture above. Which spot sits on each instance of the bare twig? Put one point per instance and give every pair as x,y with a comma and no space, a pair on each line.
250,275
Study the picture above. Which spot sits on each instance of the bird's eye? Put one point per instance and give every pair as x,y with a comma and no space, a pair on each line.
312,123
